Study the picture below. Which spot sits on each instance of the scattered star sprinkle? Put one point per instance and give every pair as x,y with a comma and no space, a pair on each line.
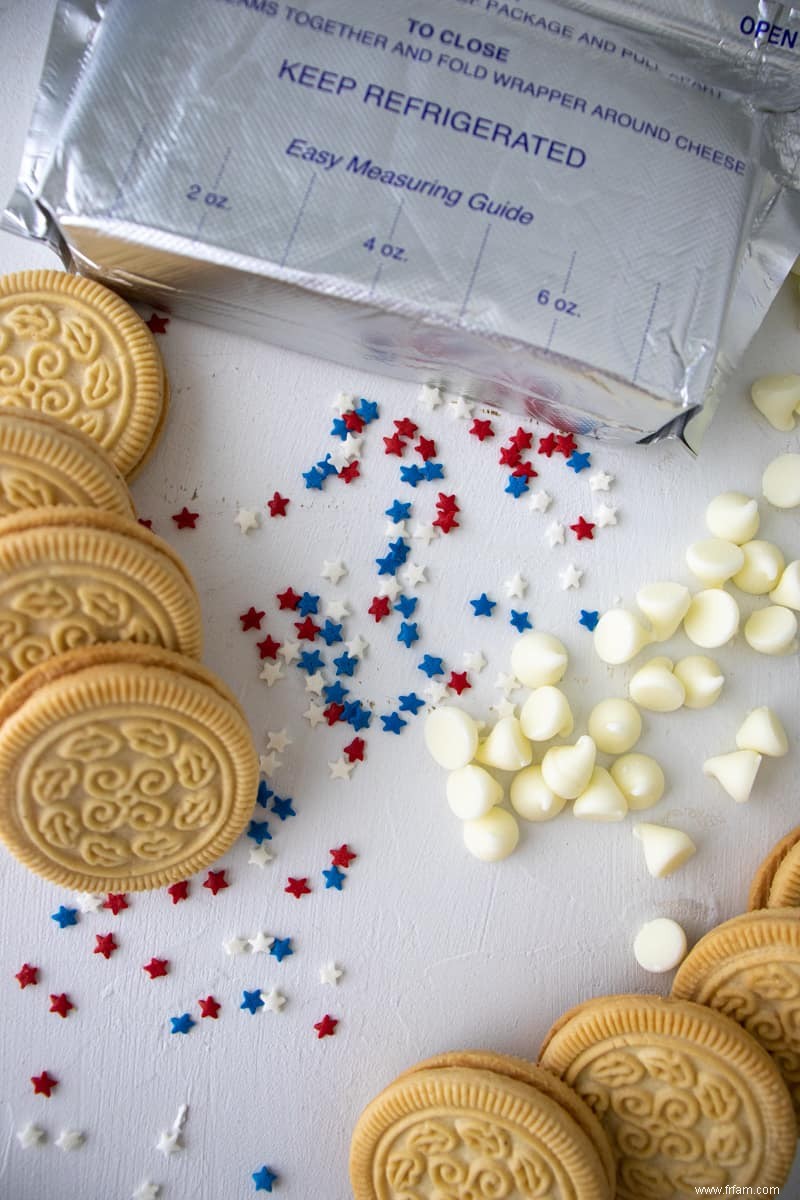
289,652
262,942
31,1135
436,693
273,1000
390,589
334,878
589,618
27,976
570,577
281,948
342,856
357,647
334,571
259,856
483,606
579,462
547,445
251,619
209,1007
540,501
157,324
268,648
504,708
178,891
482,430
263,1179
431,665
565,444
340,769
458,682
288,599
252,1001
298,887
182,1024
327,1026
606,515
429,398
600,481
247,519
216,882
185,519
235,946
271,672
330,973
70,1139
507,683
515,587
554,534
147,1191
474,660
44,1084
315,683
115,902
583,529
460,408
393,723
61,1004
520,620
89,902
105,944
64,917
426,533
410,703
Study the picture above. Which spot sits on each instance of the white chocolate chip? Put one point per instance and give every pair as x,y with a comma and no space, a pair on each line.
532,798
762,568
712,619
601,799
733,517
506,747
787,589
471,792
664,605
615,725
567,769
735,772
619,636
655,687
660,945
538,659
762,731
777,397
451,736
780,483
493,836
714,561
665,848
640,779
772,630
702,680
546,714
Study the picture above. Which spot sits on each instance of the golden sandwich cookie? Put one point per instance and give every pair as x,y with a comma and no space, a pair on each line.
686,1096
776,883
72,577
122,767
72,349
45,462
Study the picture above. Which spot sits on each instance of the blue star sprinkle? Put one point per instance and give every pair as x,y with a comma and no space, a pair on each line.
281,948
406,605
326,467
356,715
334,693
399,551
311,661
411,474
308,605
339,429
182,1024
282,807
345,664
330,633
433,470
588,619
313,479
517,484
64,917
579,462
259,832
408,634
367,410
387,565
393,723
483,605
398,511
252,1001
411,703
264,1179
263,794
431,666
334,878
520,621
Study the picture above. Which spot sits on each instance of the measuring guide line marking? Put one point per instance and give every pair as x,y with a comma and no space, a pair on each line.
646,333
475,269
214,187
569,273
552,333
390,238
299,217
126,172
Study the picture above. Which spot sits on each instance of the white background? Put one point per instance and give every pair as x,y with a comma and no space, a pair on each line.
439,951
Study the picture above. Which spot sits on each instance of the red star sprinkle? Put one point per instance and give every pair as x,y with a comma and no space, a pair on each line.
215,881
405,427
394,445
277,505
547,445
156,967
526,469
306,630
115,902
327,1026
379,608
178,891
61,1004
342,856
251,619
446,521
353,423
447,503
209,1007
333,713
43,1084
105,944
354,752
148,524
482,430
157,324
509,456
566,444
459,682
583,529
268,648
426,448
28,975
288,599
522,439
350,472
185,519
298,887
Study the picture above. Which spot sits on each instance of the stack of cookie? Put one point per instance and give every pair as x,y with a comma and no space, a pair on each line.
125,764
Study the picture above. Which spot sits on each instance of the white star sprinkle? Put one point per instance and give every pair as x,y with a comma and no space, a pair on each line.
460,407
358,647
570,577
87,902
337,610
278,740
351,446
554,534
169,1142
259,856
271,672
268,763
273,1000
315,683
395,529
261,943
606,515
339,456
429,398
540,501
515,587
333,571
314,714
70,1139
235,946
246,519
340,769
31,1135
426,533
390,588
600,482
504,708
474,660
330,973
147,1191
413,575
344,402
289,652
507,684
436,692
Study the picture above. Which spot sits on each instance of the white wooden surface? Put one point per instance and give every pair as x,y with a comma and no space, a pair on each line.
439,951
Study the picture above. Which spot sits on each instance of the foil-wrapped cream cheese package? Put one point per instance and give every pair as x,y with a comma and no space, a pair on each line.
578,210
